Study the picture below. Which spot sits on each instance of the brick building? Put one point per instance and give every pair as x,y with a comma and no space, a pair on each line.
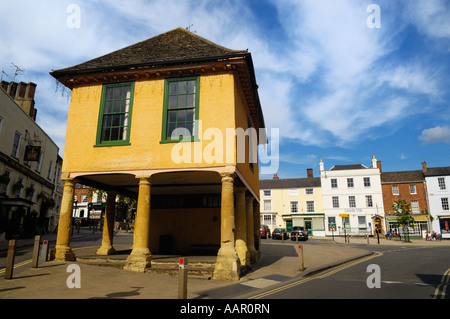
410,186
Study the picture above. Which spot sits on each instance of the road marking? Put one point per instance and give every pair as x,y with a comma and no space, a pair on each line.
260,283
439,293
302,281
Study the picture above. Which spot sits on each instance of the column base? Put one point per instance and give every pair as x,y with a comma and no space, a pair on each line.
138,260
63,253
227,265
105,250
243,253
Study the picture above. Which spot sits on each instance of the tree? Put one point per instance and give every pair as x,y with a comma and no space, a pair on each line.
402,210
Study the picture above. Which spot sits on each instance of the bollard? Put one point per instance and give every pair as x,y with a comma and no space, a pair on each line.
37,240
367,239
282,238
182,279
10,259
301,264
43,254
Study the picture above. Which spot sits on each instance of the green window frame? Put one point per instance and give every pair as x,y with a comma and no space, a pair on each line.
114,120
180,110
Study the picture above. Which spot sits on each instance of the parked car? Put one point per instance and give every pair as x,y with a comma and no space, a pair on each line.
279,232
265,231
300,232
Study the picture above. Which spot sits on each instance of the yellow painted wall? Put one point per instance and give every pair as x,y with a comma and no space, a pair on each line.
187,226
216,109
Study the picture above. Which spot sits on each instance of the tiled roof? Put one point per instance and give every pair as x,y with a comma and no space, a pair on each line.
289,183
436,171
345,167
402,177
176,45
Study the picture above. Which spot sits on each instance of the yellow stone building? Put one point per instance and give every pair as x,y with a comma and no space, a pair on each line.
290,202
173,121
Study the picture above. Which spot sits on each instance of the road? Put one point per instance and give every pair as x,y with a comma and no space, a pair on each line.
399,273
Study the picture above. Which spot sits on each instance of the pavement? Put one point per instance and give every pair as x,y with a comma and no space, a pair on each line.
279,262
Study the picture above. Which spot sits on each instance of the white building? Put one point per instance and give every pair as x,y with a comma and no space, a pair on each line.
29,164
438,189
352,199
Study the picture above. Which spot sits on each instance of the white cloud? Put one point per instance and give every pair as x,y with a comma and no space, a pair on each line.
438,134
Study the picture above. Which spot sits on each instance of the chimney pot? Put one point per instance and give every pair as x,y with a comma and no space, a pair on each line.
275,176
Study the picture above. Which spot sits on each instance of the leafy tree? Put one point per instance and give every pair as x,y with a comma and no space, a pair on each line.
402,210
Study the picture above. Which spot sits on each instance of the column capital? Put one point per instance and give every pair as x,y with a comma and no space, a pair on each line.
227,176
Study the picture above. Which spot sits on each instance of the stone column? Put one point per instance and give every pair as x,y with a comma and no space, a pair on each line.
140,257
227,264
250,228
241,227
62,248
108,226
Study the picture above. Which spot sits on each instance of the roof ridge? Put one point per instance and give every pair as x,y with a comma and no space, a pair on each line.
155,50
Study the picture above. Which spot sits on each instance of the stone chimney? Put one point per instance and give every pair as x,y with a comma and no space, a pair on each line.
23,94
374,162
321,165
424,167
309,172
275,177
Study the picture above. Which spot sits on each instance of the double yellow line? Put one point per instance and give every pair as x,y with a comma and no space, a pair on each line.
439,293
302,281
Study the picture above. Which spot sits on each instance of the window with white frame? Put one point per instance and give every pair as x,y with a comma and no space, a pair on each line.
334,183
310,206
267,192
444,202
441,182
293,204
362,222
369,202
267,204
293,192
351,201
350,183
269,219
309,191
394,189
367,181
16,144
83,198
412,189
335,200
415,207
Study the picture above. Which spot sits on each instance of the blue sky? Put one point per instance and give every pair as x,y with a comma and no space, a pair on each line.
335,88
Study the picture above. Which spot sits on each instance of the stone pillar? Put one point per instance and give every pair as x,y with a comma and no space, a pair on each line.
140,257
227,264
108,226
250,228
62,248
241,227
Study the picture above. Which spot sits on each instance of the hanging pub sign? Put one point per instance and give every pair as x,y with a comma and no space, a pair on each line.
32,153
